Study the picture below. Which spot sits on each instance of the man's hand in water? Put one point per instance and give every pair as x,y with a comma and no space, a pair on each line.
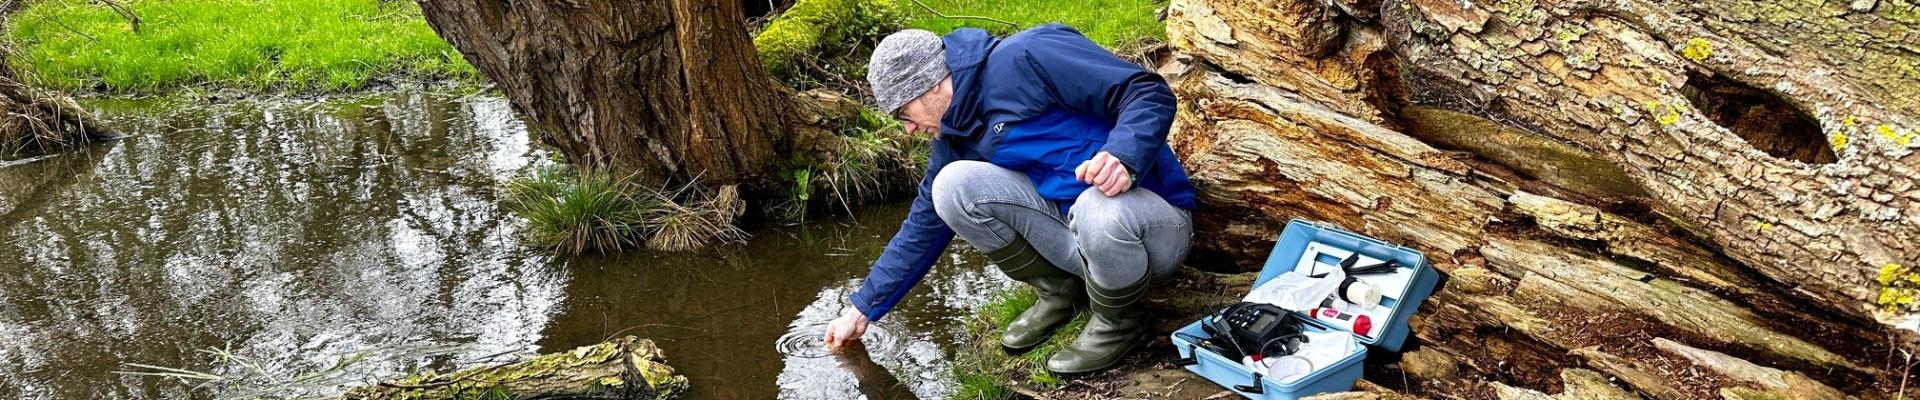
1106,172
843,331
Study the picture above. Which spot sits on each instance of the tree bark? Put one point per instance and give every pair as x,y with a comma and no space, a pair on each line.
667,90
1726,175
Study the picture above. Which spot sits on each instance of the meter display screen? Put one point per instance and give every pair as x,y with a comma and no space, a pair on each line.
1261,324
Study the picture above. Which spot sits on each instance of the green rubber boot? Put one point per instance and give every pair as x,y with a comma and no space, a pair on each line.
1119,324
1058,291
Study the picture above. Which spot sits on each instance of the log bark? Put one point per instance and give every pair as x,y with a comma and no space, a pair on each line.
666,90
1725,175
625,368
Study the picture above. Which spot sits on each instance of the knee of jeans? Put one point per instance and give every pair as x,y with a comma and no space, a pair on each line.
951,185
1098,219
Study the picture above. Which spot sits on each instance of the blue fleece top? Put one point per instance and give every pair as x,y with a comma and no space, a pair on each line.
1040,102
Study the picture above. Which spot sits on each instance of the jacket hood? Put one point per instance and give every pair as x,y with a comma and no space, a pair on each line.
967,50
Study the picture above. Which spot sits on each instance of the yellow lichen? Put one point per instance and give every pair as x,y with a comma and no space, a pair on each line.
1670,117
1899,288
1663,113
1899,137
1896,299
1763,226
1838,140
1697,49
1568,33
1849,121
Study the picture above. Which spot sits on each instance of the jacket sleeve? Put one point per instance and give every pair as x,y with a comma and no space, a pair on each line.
1091,80
912,251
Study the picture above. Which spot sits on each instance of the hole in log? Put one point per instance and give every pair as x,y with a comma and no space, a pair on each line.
1765,120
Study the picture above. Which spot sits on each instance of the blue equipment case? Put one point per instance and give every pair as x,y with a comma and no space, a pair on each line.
1341,375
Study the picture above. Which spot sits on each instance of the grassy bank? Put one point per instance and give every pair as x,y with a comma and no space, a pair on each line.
987,372
293,45
1112,23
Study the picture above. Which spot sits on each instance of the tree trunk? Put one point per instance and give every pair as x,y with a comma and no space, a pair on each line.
667,90
1591,175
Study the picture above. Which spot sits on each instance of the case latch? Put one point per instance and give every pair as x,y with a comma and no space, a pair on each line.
1255,388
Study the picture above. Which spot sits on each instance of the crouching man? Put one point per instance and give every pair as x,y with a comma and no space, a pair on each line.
1050,156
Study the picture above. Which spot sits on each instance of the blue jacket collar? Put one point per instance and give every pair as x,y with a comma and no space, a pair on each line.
967,50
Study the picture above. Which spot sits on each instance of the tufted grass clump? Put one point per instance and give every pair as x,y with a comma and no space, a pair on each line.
260,45
581,212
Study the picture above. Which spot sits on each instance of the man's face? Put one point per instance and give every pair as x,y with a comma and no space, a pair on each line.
922,115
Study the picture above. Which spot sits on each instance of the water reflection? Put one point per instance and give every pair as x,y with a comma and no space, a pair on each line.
746,322
296,234
300,234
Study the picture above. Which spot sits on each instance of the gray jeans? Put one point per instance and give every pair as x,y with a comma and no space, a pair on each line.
1112,241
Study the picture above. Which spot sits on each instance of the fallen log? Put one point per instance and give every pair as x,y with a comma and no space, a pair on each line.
625,368
1589,175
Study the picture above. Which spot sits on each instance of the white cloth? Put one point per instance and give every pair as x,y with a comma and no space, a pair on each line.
1322,350
1296,291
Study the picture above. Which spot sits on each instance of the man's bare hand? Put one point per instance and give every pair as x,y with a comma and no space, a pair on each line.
1104,171
848,328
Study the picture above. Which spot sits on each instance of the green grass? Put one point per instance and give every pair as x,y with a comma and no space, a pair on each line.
293,45
1111,23
984,371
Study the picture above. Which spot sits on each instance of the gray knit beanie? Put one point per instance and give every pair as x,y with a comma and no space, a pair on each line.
905,65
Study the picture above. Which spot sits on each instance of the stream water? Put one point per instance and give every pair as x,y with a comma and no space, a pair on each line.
301,236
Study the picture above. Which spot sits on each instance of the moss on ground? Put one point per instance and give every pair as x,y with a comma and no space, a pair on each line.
292,45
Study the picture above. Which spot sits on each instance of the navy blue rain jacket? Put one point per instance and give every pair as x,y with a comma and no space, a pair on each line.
1040,102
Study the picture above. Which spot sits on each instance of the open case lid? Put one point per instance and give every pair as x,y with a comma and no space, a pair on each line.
1299,234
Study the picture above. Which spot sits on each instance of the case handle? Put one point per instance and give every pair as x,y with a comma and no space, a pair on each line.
1192,358
1256,388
